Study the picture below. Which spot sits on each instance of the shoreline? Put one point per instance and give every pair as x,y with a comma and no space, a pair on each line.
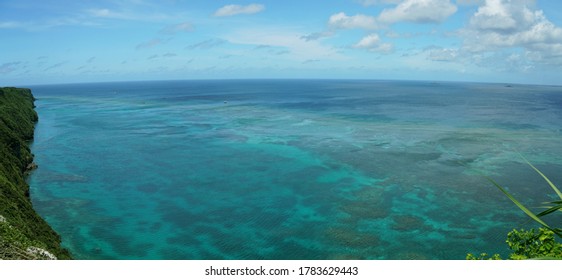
23,233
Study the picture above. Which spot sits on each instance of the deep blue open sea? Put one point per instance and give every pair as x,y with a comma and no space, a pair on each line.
291,169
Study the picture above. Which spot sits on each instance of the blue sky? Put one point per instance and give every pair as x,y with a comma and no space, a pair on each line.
56,41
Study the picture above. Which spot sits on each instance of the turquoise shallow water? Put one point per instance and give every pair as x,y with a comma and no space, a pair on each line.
291,169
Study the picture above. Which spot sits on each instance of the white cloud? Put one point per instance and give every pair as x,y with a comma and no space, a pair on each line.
469,2
506,18
121,14
369,41
343,21
377,2
42,25
292,43
8,67
419,11
443,54
373,42
54,66
149,44
10,25
317,35
107,13
231,10
503,24
206,45
501,17
176,28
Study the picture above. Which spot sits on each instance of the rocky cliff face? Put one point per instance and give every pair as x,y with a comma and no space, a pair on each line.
23,233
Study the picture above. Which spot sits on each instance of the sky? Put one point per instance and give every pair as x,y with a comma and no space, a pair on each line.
66,41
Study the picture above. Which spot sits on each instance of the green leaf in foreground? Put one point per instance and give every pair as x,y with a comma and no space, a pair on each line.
524,209
550,210
556,190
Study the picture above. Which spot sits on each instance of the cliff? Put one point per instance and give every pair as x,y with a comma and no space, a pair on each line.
23,233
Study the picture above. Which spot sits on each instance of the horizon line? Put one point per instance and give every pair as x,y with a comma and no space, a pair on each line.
284,79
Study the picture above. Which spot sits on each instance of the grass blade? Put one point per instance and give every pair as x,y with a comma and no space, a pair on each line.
550,210
521,206
546,179
553,202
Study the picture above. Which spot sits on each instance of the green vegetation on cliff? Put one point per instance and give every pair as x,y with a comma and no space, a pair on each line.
23,233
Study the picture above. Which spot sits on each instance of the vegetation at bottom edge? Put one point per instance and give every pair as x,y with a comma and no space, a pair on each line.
538,243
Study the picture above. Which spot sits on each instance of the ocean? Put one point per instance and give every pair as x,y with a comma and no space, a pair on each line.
292,169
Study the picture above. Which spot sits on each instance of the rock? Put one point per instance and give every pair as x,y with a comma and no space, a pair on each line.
31,166
40,253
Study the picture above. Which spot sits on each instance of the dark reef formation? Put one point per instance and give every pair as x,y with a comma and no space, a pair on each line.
23,233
